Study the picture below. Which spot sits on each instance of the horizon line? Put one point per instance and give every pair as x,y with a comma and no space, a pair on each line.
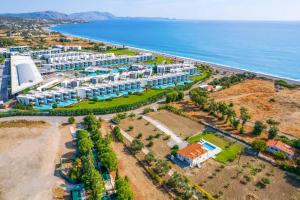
168,18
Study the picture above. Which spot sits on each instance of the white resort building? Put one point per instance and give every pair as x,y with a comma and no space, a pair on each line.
171,68
105,60
24,73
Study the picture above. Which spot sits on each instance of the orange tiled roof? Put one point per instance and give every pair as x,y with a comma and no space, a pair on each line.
282,146
192,151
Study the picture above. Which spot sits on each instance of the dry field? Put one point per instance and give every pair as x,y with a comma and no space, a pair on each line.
230,181
50,40
255,95
159,148
141,184
28,154
182,126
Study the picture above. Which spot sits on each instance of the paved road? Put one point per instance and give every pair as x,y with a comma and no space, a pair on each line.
175,140
4,81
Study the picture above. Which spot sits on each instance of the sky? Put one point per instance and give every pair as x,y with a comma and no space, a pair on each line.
280,10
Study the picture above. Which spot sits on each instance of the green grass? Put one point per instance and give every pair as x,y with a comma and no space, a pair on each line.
120,51
230,149
159,60
125,100
2,58
204,74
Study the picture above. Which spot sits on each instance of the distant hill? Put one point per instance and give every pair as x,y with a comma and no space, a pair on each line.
91,16
82,16
38,15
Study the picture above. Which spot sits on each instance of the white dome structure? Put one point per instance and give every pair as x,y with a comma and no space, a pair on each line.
24,73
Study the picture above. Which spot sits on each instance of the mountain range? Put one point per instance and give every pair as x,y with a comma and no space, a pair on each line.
81,16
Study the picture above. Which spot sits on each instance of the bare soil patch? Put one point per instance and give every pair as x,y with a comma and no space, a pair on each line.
231,181
22,123
141,184
160,147
263,101
182,126
28,157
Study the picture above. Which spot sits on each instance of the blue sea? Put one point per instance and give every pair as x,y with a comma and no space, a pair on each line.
266,47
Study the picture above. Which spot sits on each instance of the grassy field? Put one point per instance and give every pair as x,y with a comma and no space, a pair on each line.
118,51
230,149
204,74
159,60
125,100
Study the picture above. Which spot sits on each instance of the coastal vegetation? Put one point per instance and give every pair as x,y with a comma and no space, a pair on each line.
282,83
228,81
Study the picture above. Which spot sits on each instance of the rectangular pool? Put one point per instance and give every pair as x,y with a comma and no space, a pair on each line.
208,146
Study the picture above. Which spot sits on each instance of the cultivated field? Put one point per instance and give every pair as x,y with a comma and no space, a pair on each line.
263,102
160,147
28,154
182,126
238,180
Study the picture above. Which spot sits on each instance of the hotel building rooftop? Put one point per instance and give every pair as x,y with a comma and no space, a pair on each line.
24,73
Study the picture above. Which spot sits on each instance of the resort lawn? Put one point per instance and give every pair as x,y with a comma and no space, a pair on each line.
121,51
159,60
110,103
230,149
204,74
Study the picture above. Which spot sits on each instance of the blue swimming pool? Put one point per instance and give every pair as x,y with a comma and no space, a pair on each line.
208,146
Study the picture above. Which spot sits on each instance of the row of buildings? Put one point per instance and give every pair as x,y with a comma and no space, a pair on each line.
171,68
102,90
109,60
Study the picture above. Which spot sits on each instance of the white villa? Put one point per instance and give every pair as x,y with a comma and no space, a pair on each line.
197,153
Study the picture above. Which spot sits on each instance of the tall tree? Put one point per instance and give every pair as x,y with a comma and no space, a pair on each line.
259,127
245,116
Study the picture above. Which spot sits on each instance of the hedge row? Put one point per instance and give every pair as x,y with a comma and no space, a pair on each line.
85,111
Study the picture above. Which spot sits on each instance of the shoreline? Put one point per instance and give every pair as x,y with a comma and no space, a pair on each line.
215,66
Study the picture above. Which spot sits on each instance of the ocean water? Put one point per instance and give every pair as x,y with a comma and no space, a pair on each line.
267,47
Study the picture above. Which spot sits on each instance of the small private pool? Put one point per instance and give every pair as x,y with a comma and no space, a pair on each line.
60,104
208,146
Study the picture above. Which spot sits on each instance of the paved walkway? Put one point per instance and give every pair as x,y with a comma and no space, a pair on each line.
130,139
175,140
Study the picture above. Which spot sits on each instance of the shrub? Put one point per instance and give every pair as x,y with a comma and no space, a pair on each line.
139,136
146,110
167,137
259,145
71,120
150,158
162,167
150,144
136,146
280,155
130,128
273,132
258,128
117,133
